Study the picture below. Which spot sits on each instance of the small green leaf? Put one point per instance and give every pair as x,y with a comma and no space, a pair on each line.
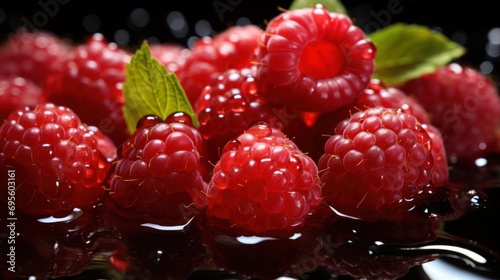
334,6
150,89
407,51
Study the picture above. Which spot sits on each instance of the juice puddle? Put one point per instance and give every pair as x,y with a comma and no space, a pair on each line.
97,244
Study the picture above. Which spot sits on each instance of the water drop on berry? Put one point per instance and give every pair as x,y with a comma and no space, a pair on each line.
260,129
237,103
370,52
148,120
295,164
179,117
231,145
249,86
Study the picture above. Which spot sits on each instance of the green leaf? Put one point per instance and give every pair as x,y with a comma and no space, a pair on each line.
407,51
150,89
334,6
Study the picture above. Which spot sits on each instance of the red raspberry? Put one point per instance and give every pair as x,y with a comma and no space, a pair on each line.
310,132
17,92
463,104
234,48
171,55
57,160
263,183
378,165
32,55
229,105
90,83
158,173
378,94
314,59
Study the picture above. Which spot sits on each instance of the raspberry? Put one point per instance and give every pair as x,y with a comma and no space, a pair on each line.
171,55
158,173
314,60
90,83
463,104
32,55
57,160
230,104
378,94
311,135
379,165
234,48
262,183
17,92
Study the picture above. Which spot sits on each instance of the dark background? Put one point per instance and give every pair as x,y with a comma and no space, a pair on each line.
466,24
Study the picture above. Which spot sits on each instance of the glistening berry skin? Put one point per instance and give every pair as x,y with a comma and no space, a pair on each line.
262,183
234,48
90,82
18,92
230,104
32,55
158,173
464,105
57,160
314,59
378,165
321,125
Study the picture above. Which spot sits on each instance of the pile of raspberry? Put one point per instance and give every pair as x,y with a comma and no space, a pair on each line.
290,117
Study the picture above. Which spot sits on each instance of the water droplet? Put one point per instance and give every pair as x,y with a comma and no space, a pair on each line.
231,145
179,117
148,120
237,103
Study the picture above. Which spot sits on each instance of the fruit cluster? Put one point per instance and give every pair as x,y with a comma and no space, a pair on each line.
267,125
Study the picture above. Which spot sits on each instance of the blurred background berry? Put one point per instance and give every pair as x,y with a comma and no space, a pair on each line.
129,22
